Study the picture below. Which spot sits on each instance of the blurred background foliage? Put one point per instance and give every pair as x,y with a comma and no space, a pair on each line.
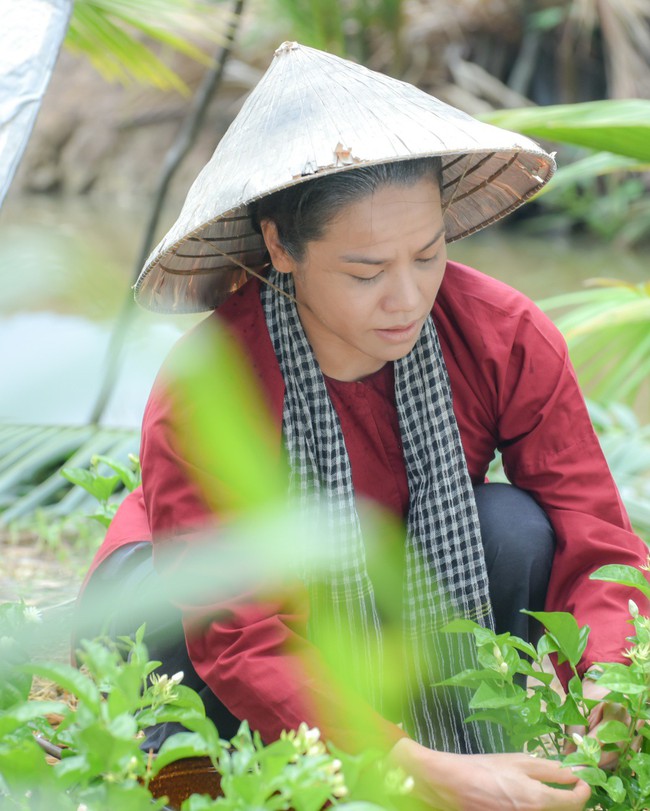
571,73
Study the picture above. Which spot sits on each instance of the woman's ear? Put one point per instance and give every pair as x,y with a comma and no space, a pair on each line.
280,259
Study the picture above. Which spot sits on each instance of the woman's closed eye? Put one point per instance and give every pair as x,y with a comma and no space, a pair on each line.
366,278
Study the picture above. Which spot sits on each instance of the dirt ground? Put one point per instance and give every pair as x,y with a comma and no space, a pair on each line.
42,573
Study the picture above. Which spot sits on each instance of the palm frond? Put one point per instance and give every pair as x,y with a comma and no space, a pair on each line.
626,445
618,126
32,459
114,35
608,332
590,167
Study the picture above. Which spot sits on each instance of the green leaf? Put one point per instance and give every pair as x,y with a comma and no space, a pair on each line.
596,165
492,696
564,631
470,677
615,788
179,746
546,646
526,669
590,774
619,126
640,763
569,713
70,679
23,766
129,477
624,575
361,806
107,33
524,647
461,626
575,688
188,699
101,487
621,679
612,732
227,432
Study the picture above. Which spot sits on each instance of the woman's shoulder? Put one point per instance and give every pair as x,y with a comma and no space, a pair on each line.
490,315
240,323
241,317
464,286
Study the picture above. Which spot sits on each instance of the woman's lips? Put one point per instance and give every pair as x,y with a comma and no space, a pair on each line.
399,334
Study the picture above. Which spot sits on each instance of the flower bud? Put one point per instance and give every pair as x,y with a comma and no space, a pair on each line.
633,608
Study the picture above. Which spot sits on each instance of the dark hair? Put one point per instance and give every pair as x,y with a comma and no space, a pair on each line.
303,212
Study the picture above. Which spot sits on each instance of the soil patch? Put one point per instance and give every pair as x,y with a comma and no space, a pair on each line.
45,567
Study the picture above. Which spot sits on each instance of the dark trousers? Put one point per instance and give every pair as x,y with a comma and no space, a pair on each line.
124,592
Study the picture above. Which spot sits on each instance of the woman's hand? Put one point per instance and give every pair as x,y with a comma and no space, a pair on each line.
599,714
504,782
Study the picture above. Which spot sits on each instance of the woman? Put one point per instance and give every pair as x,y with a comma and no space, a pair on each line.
391,374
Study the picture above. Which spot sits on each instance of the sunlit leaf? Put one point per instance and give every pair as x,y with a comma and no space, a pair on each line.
564,631
625,575
115,36
618,126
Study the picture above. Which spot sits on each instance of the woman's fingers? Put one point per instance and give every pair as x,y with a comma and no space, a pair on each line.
573,799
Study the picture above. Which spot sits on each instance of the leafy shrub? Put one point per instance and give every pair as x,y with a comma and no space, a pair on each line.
535,719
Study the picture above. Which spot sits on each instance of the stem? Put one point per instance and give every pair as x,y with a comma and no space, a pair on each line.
583,707
631,732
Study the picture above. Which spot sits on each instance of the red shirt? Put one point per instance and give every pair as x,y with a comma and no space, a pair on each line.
513,389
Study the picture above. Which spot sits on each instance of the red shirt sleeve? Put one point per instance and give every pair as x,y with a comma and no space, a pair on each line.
551,450
513,381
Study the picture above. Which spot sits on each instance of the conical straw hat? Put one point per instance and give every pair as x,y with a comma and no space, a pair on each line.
313,114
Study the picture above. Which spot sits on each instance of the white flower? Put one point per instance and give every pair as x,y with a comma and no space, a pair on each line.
397,781
577,739
407,785
163,686
640,654
32,614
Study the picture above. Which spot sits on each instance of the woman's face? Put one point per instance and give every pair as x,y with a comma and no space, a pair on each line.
365,288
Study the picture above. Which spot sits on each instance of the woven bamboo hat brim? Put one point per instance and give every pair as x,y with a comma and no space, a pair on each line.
313,114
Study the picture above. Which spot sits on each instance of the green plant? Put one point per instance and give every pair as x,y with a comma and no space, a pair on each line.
110,33
103,487
626,445
536,719
102,766
593,191
118,694
607,329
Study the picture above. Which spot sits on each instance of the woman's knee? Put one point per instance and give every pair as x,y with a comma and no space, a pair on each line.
515,530
519,545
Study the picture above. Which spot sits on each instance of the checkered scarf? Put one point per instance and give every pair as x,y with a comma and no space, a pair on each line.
444,567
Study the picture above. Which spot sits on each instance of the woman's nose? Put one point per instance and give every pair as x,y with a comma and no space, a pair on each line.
404,293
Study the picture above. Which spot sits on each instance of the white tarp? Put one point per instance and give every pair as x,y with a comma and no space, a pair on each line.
31,33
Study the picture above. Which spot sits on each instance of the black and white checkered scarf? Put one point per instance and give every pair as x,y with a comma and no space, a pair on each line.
444,567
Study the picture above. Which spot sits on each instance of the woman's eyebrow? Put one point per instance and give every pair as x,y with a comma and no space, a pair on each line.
358,259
